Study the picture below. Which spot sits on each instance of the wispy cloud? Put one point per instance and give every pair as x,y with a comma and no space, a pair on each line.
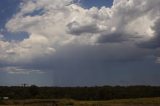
1,36
18,70
158,60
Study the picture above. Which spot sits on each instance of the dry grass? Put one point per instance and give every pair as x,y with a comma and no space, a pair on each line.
69,102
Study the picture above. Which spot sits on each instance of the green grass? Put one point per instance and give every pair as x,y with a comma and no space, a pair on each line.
70,102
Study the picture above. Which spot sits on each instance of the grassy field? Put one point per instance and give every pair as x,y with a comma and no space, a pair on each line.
69,102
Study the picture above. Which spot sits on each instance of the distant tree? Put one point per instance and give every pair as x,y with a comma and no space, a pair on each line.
33,90
79,93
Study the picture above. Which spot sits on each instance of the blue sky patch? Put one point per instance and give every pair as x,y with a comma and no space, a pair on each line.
19,36
7,9
96,3
37,12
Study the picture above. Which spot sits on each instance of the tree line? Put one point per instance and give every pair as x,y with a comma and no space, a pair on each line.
79,93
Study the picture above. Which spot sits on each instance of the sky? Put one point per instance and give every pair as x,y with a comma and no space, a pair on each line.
79,42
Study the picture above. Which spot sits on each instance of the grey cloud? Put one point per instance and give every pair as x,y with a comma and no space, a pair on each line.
151,44
85,56
76,29
113,38
98,65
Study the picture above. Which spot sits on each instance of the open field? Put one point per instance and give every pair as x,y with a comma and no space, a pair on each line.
69,102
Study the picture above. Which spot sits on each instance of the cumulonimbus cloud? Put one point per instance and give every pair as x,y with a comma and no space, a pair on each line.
52,24
76,45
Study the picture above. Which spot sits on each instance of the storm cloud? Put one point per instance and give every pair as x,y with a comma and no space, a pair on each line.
69,43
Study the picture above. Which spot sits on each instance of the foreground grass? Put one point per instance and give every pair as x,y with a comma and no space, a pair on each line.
140,101
69,102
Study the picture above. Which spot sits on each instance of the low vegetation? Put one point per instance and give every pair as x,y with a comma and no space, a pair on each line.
80,93
80,96
70,102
